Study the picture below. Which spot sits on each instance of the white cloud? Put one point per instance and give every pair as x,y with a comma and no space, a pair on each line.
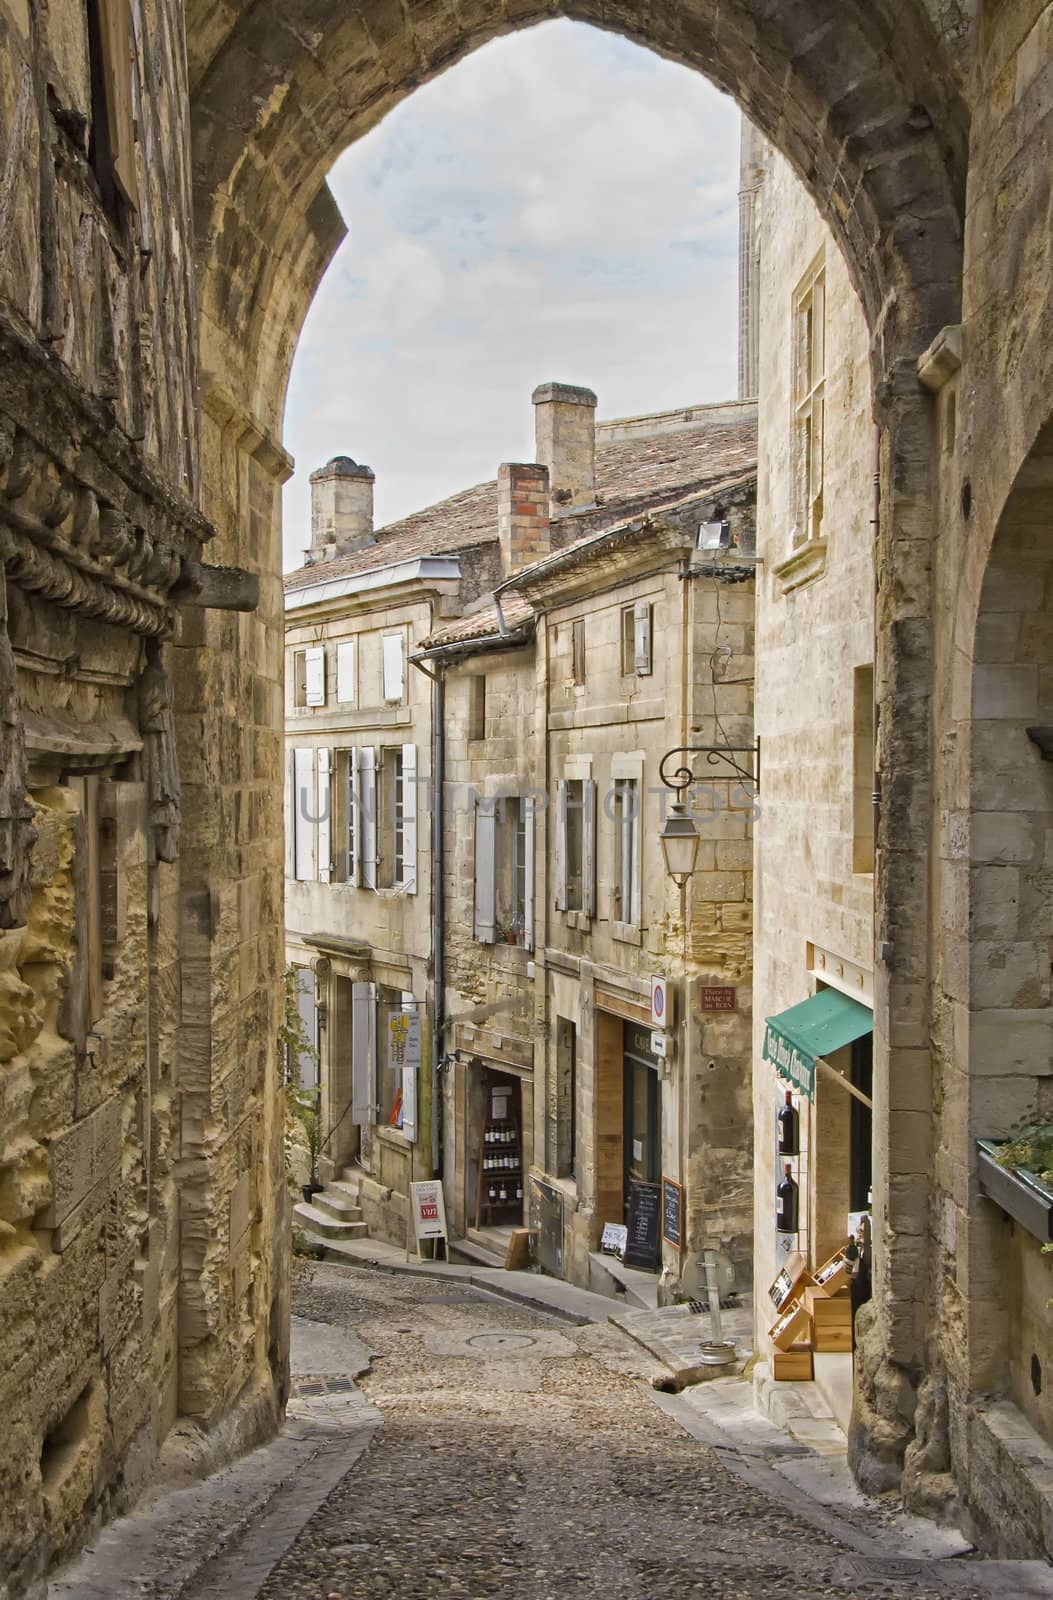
563,205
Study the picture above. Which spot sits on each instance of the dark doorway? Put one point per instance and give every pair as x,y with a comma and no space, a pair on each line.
642,1127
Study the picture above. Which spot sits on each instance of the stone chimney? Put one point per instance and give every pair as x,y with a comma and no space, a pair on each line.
341,509
522,514
565,442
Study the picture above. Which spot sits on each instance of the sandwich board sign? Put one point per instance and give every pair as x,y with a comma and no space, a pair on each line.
429,1211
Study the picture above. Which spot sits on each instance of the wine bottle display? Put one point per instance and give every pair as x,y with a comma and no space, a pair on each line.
789,1128
787,1196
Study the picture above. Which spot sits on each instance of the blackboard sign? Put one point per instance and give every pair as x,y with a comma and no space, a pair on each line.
645,1206
672,1212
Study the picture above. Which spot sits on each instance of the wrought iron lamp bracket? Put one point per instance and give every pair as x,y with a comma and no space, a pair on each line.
682,777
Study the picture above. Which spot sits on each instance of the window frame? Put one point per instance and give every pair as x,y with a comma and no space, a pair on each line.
808,401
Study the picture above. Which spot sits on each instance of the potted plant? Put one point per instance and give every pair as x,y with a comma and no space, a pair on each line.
1017,1174
312,1128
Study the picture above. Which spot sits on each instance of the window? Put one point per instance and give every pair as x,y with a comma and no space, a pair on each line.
302,1065
576,845
392,661
577,651
299,684
477,707
566,1098
346,652
637,627
627,851
300,835
504,870
809,370
111,148
395,800
314,675
863,769
346,814
96,908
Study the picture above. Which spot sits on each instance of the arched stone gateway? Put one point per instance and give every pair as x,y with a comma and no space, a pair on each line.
866,101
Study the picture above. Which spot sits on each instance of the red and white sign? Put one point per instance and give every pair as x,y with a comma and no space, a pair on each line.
660,1017
429,1212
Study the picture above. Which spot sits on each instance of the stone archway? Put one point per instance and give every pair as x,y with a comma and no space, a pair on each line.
860,95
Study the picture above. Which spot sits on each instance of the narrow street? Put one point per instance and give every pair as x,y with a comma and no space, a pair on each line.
493,1450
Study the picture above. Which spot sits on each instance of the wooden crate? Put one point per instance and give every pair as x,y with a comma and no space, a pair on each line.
833,1341
790,1281
833,1276
792,1325
793,1365
829,1312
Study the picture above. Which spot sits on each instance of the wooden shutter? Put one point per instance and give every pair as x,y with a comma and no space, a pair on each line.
393,672
304,800
485,870
324,813
561,845
115,46
314,664
635,836
290,814
409,1081
363,1054
367,815
408,879
588,847
352,816
529,835
345,671
642,638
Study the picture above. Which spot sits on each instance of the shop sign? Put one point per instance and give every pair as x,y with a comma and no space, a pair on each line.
716,998
672,1212
642,1247
404,1040
429,1210
789,1062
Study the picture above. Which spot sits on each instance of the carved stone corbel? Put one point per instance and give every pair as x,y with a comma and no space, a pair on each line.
157,726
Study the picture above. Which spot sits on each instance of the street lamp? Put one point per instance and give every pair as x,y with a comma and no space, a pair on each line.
680,842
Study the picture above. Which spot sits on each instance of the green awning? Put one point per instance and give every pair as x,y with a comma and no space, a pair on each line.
818,1026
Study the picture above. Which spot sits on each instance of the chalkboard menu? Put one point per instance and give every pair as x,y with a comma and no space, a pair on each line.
672,1212
645,1210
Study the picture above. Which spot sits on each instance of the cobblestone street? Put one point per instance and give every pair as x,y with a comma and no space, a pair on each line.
493,1450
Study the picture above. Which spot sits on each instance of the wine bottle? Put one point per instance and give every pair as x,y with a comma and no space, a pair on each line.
789,1128
502,1194
493,1194
786,1202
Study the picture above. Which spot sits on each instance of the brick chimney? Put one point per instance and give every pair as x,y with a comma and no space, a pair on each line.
341,509
565,442
522,514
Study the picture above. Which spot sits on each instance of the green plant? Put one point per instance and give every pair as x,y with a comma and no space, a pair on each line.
294,1042
1031,1150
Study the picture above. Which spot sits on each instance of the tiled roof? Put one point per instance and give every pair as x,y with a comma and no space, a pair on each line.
632,475
482,623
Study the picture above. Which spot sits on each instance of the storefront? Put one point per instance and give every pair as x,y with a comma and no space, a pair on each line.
820,1053
497,1166
642,1111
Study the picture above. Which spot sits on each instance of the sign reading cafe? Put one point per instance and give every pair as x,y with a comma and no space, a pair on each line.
789,1062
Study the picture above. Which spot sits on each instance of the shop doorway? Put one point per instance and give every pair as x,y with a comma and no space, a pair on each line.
500,1158
641,1108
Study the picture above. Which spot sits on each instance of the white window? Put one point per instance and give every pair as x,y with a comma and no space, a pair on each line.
346,662
627,851
346,817
302,1067
637,628
392,658
323,815
576,845
364,1054
367,816
304,800
809,373
396,819
314,668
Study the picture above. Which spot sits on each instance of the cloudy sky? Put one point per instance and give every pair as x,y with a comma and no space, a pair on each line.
562,205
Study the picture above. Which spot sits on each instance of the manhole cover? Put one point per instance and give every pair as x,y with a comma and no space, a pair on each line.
501,1341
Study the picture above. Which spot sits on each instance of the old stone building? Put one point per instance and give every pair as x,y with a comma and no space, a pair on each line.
165,222
563,697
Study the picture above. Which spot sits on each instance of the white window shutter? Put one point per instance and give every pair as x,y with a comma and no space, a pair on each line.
635,836
393,669
314,660
304,802
588,847
529,825
561,845
290,814
345,671
367,815
485,870
409,1082
642,637
408,880
307,1006
353,818
364,1054
324,813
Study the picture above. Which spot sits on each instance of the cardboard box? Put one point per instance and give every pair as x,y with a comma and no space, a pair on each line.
793,1365
794,1323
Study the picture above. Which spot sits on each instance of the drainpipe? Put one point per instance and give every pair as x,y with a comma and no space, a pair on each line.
438,899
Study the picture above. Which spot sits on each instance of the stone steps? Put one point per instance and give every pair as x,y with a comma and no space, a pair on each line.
322,1226
338,1204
